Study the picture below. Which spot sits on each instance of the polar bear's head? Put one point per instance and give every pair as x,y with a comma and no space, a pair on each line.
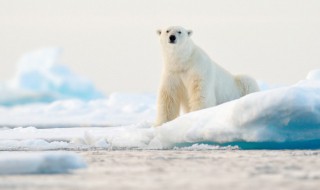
174,37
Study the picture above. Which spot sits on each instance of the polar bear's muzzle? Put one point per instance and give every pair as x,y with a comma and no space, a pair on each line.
172,39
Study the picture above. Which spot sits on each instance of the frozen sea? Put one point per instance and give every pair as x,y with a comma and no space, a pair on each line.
182,169
57,131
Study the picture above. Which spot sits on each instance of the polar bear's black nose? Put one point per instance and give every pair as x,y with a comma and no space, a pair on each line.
172,38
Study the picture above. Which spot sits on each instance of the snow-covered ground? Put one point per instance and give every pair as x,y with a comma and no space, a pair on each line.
183,169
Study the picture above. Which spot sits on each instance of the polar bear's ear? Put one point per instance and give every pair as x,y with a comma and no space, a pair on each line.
190,32
159,32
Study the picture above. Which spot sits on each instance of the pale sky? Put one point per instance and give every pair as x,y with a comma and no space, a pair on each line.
114,42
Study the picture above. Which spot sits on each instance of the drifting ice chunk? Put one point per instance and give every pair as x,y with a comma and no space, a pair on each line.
41,77
39,163
314,75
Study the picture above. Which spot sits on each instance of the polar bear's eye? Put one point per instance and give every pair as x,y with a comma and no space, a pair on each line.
167,31
179,32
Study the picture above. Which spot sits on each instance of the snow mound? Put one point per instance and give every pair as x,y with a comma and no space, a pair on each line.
289,116
41,77
39,163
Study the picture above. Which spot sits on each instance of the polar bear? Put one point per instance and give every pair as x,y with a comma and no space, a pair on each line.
191,80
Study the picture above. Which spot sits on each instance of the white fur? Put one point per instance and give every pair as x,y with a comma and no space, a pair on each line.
191,80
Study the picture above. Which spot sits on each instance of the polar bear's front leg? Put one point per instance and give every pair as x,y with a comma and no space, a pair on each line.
198,94
168,106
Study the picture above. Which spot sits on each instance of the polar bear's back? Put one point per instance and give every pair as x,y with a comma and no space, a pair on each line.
246,84
226,88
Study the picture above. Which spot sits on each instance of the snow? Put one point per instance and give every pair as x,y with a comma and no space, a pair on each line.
201,147
48,107
117,109
314,75
41,77
39,162
46,93
285,114
280,118
83,138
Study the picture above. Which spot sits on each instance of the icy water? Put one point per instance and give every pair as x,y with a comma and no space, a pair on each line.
181,169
